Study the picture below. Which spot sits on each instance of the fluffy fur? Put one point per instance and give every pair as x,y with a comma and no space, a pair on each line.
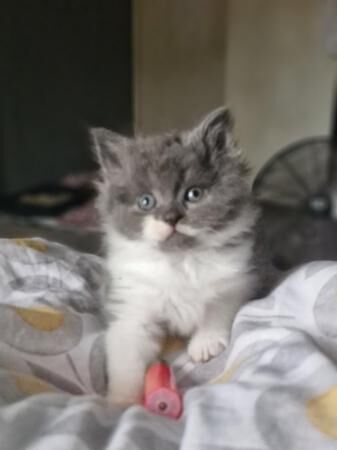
183,267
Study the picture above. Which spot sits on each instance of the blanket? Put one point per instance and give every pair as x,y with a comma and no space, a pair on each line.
275,387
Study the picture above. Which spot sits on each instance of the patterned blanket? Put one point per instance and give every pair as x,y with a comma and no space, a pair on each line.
274,388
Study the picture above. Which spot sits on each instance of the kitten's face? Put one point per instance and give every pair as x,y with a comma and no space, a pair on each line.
172,190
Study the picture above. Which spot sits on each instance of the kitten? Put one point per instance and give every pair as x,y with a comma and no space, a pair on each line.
179,223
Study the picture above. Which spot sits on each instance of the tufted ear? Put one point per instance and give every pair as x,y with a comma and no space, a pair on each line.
215,129
107,147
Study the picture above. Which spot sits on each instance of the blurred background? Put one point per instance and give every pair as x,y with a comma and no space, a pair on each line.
151,65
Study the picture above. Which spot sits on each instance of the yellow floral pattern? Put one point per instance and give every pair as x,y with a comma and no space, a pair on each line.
42,318
322,412
276,383
35,244
29,385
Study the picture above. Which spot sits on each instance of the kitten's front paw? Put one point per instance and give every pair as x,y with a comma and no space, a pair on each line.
204,346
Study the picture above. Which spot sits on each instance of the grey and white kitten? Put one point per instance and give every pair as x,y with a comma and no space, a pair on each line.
179,222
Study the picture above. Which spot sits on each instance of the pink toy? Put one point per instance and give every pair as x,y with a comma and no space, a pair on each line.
160,393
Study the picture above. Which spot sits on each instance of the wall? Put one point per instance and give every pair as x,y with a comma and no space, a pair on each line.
179,61
279,79
265,58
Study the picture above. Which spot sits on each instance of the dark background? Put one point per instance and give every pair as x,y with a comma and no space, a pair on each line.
65,64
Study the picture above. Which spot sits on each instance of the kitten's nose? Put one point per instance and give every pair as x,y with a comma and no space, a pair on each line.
172,217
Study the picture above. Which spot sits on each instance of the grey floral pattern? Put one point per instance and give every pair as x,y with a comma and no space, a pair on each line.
274,388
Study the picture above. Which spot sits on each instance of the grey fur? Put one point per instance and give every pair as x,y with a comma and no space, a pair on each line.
167,165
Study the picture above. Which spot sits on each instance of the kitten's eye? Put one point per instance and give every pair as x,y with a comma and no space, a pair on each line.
146,202
193,194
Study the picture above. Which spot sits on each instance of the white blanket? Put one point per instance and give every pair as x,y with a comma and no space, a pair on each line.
275,387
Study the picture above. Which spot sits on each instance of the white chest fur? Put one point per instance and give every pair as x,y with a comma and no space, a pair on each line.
150,285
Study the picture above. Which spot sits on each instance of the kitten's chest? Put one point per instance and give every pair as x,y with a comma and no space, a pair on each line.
150,286
195,277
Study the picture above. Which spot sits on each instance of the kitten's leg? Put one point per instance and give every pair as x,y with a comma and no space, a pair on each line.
130,349
212,336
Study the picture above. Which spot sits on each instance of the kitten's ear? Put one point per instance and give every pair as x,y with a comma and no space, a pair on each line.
107,146
215,129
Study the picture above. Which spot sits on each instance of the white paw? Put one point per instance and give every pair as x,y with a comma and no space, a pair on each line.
204,346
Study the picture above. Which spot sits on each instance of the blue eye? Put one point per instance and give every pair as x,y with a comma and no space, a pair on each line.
146,202
193,194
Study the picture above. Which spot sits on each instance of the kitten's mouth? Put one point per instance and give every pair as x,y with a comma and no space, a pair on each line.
160,231
179,233
171,232
178,229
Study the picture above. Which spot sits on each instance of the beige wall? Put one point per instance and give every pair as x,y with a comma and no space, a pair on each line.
279,78
265,57
179,61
